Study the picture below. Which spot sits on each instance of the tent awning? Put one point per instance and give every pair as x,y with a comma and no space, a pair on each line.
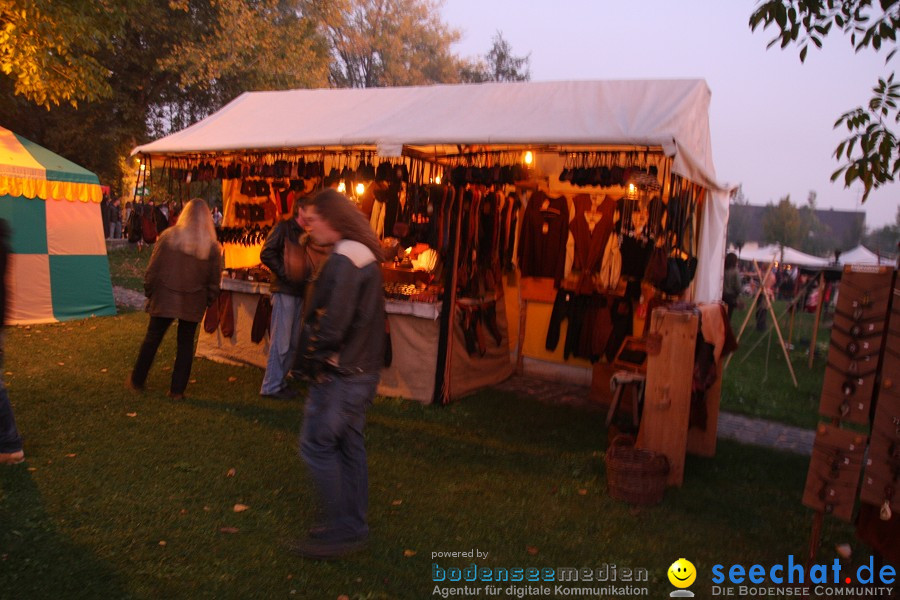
790,256
671,114
30,170
863,256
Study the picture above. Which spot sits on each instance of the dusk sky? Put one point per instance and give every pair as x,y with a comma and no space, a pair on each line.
771,116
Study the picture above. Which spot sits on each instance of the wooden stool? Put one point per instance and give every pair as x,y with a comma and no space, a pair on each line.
617,384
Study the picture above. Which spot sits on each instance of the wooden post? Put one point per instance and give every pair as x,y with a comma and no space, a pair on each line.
815,331
787,357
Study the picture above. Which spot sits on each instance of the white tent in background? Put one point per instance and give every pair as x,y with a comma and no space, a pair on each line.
790,256
862,256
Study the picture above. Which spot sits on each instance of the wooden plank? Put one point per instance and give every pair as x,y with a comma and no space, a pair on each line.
703,443
667,400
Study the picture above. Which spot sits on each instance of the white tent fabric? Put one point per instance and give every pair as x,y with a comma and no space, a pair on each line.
791,256
862,256
672,114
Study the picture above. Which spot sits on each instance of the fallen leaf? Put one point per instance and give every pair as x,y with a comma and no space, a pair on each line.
408,553
132,415
206,508
183,511
93,328
582,492
104,370
290,576
231,472
396,502
61,364
240,507
162,542
343,597
193,381
73,455
232,379
228,529
32,468
532,550
8,373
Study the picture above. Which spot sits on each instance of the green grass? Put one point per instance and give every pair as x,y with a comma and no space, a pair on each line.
127,266
757,381
112,475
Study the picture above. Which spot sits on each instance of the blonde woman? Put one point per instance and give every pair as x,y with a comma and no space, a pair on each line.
181,281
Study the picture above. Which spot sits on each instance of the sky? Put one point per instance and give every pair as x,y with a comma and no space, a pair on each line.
771,116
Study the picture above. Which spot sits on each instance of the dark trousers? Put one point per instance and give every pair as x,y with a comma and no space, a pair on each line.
333,446
184,354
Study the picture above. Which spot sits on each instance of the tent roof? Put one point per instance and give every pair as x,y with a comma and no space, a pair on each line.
671,114
862,256
792,256
22,158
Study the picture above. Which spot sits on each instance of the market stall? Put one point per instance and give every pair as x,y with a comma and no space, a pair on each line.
58,265
516,210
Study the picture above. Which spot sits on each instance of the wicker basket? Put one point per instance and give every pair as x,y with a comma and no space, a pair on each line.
635,476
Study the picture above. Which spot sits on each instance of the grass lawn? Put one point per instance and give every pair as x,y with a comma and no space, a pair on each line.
127,266
129,496
757,381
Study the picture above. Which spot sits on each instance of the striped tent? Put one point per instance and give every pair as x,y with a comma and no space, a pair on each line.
58,267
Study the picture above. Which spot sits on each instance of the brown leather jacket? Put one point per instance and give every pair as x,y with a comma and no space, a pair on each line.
178,285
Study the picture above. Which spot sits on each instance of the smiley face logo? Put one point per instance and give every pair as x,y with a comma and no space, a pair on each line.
682,573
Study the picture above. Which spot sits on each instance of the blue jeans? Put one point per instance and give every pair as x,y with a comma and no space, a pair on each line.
284,332
333,447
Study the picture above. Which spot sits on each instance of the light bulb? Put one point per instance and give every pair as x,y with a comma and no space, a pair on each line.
360,188
342,187
437,180
529,158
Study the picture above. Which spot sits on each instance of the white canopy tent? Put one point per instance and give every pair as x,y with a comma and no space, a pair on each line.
863,256
788,255
441,119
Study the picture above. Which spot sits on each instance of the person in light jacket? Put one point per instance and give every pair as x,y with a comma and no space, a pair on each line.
181,281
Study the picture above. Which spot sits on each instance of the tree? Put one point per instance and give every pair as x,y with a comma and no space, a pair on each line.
816,239
738,219
499,64
377,43
782,225
870,154
47,48
174,63
884,240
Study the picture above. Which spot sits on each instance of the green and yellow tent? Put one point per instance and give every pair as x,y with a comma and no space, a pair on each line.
58,269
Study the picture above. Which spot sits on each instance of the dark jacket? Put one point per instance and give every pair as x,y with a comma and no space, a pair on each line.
272,255
178,285
343,328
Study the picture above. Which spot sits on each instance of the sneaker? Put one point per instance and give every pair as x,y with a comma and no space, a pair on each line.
319,549
284,393
12,458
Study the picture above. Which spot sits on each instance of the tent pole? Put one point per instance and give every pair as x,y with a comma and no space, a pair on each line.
815,331
787,357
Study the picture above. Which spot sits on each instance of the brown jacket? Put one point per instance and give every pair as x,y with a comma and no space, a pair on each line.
178,285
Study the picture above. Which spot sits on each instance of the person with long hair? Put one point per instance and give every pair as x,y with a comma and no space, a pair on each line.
343,347
731,286
182,279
